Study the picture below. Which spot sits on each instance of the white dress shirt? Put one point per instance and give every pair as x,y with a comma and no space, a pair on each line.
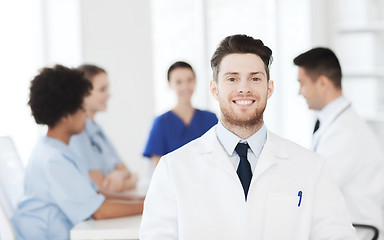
229,141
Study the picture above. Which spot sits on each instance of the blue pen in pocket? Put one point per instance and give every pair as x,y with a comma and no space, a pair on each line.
300,195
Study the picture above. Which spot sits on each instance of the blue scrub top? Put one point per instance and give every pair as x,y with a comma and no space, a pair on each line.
94,148
57,193
169,132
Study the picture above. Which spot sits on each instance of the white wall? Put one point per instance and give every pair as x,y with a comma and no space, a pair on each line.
116,35
42,33
136,41
61,32
353,29
293,28
179,35
191,30
20,57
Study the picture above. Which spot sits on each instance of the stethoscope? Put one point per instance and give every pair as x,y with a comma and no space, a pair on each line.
333,120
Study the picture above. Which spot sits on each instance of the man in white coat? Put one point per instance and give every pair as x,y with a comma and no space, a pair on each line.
239,180
343,138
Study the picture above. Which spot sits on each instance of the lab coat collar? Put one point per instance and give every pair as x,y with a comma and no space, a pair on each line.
329,112
328,115
209,142
209,146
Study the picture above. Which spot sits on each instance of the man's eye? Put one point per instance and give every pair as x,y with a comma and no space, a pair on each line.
255,79
231,79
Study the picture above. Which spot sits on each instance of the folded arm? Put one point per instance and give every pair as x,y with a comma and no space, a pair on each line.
118,208
120,179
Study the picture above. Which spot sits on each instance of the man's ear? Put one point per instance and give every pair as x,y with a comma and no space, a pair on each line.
323,81
214,90
271,88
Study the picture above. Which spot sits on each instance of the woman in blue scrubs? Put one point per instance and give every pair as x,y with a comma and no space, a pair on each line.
101,160
57,191
183,123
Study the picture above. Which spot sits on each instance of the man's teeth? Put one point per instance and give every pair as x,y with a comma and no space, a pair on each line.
244,102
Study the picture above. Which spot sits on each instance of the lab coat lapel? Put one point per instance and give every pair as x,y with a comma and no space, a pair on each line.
272,151
315,140
325,125
210,148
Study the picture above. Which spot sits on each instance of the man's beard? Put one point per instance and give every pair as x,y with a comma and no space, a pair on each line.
254,120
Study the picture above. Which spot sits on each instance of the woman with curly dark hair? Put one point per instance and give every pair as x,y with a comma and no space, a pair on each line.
58,192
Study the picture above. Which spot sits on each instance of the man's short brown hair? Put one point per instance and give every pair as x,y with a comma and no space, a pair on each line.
240,44
320,61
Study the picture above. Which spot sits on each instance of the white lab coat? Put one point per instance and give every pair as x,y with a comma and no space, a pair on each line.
357,163
195,193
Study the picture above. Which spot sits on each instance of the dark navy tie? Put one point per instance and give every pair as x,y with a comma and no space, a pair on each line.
317,125
244,170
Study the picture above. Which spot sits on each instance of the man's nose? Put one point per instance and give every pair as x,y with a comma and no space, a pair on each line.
244,86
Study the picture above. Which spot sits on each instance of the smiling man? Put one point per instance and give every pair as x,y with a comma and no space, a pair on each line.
239,180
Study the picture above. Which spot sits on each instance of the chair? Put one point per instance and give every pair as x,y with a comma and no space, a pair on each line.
6,228
11,185
370,228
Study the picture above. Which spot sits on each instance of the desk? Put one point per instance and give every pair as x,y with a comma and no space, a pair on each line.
114,228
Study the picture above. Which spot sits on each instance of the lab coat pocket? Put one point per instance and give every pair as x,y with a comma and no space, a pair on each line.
284,215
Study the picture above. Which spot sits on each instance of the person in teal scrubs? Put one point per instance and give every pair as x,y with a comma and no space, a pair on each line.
101,160
183,123
58,193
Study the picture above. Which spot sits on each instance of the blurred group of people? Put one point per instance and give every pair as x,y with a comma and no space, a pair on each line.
75,171
208,189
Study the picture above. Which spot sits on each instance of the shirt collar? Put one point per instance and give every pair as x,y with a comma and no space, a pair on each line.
229,140
91,127
57,144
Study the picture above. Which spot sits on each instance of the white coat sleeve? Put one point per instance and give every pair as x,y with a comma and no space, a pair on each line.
331,220
160,218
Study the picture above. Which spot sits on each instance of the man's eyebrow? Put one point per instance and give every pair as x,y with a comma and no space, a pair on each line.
254,73
231,73
237,73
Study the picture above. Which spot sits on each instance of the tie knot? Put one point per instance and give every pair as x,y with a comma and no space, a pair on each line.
242,149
